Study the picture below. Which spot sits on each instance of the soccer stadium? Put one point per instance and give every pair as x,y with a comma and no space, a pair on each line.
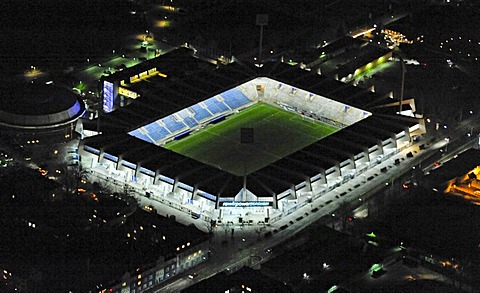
213,128
240,140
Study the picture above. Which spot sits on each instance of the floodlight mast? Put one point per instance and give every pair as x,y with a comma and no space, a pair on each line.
404,70
246,137
245,157
260,47
244,181
262,19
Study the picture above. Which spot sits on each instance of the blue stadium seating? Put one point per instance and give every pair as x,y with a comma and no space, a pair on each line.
183,113
156,132
235,98
157,135
221,105
163,131
138,134
152,126
200,113
190,122
173,125
186,117
215,106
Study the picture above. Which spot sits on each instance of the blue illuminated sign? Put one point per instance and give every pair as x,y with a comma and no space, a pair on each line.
107,96
242,204
129,165
110,157
207,195
91,150
185,186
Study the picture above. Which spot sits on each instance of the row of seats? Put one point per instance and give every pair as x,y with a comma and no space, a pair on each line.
215,106
235,98
192,116
139,134
172,125
158,133
200,113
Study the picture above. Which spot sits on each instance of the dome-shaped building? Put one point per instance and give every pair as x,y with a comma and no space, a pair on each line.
32,114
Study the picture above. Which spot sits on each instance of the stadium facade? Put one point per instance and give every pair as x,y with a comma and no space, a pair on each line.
155,102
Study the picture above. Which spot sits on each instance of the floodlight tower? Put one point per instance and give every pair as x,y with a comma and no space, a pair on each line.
262,19
404,70
246,137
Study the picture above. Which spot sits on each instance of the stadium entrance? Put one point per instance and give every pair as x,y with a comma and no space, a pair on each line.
245,212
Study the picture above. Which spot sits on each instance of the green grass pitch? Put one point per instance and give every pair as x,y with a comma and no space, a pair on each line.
277,133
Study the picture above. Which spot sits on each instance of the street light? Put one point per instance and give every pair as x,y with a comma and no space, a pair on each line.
447,139
402,86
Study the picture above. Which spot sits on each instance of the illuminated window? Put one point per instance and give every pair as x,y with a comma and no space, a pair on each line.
133,78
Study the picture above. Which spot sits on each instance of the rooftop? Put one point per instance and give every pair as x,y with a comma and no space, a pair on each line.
31,104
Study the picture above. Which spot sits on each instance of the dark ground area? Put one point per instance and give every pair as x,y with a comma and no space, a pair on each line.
59,242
